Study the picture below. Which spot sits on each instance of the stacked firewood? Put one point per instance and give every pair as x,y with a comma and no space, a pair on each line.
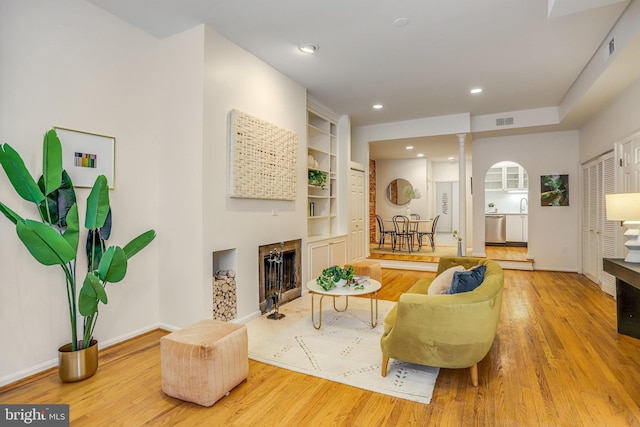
225,302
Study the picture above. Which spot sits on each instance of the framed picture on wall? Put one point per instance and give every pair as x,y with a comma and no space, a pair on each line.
554,190
86,155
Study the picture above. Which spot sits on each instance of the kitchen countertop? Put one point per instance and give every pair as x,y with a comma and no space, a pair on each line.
506,213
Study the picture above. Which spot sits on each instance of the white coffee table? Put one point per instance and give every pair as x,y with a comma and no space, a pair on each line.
370,289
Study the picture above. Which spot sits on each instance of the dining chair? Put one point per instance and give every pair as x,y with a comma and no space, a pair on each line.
430,234
414,224
403,233
383,233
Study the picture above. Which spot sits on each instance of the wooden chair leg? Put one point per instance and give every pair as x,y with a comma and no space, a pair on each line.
385,364
474,374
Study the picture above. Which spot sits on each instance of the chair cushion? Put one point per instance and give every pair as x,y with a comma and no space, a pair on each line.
465,281
442,282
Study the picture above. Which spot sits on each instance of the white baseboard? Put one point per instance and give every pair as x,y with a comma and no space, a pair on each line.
248,317
36,369
24,373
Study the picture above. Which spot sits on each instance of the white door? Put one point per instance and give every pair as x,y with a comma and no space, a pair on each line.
592,212
609,236
357,224
447,206
598,235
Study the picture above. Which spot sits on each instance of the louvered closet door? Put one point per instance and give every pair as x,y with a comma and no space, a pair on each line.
599,237
592,193
587,172
609,235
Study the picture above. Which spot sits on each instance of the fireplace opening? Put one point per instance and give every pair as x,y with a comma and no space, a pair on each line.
280,274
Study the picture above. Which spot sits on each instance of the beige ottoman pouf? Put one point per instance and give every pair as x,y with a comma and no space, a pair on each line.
368,268
204,361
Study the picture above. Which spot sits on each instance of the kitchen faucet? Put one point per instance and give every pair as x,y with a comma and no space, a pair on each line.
524,205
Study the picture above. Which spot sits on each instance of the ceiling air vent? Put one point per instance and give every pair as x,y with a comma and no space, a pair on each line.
505,121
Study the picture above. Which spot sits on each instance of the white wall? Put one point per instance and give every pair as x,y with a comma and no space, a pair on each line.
617,121
553,231
70,64
426,173
236,79
180,202
414,171
166,102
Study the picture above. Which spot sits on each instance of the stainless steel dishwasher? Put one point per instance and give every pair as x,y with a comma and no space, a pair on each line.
495,229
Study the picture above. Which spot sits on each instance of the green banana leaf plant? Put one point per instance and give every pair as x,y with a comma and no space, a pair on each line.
53,240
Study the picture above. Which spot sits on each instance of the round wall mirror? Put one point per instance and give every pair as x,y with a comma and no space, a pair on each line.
396,191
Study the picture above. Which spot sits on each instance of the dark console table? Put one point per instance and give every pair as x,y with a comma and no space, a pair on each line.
627,294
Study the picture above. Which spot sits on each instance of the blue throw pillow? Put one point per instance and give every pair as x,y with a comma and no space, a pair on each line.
468,280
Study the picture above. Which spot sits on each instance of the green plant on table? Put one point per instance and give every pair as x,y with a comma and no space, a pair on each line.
332,275
318,178
53,240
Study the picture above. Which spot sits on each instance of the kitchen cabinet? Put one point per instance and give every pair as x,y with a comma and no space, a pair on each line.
494,179
515,178
506,177
517,228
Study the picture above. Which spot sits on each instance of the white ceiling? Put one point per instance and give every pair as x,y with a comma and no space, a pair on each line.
525,54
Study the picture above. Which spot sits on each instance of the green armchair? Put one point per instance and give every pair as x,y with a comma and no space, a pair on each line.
446,331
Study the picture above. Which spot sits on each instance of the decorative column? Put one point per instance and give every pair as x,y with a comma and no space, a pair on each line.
462,169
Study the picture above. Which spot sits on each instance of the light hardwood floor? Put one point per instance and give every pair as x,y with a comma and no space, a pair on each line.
557,361
504,253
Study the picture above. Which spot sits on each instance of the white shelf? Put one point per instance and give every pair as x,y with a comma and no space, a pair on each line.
322,144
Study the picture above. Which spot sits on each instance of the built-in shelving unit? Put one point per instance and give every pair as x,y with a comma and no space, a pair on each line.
322,218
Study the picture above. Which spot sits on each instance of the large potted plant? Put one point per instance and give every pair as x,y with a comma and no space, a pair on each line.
53,240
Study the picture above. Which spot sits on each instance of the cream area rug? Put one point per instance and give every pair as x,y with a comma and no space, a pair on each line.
345,349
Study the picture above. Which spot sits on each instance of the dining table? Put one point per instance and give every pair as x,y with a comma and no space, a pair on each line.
423,225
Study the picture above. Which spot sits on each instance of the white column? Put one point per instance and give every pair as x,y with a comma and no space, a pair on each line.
462,169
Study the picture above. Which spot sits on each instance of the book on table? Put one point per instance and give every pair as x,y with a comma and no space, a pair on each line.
360,280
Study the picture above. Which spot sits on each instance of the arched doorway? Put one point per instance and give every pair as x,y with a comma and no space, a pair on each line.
507,205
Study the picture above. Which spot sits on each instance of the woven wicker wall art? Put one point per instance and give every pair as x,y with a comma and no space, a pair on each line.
262,158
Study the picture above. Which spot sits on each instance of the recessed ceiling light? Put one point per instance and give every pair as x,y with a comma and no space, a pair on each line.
378,106
308,48
476,90
409,147
451,158
420,155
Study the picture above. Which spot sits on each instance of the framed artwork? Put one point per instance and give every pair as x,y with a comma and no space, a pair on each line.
86,155
262,159
554,190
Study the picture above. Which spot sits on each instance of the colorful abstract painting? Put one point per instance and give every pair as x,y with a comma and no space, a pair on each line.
85,160
554,190
87,155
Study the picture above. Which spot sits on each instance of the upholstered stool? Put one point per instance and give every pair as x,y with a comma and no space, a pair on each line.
368,268
204,361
